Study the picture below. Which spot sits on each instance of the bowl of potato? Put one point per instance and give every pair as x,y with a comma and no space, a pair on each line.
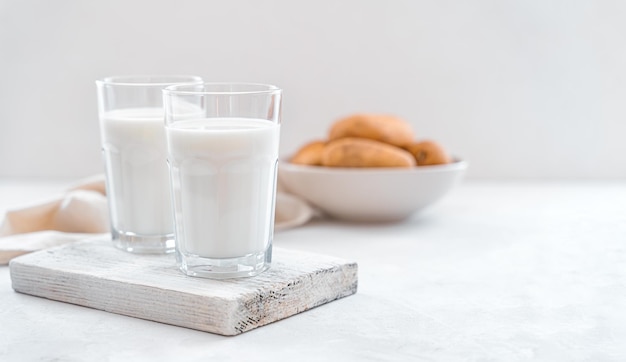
370,168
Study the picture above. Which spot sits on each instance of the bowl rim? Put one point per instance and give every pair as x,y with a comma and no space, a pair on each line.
456,165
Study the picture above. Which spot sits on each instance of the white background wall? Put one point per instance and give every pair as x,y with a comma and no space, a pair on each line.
521,89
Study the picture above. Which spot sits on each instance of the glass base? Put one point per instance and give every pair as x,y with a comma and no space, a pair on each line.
143,244
225,268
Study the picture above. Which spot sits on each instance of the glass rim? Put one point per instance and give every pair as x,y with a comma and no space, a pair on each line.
261,88
143,80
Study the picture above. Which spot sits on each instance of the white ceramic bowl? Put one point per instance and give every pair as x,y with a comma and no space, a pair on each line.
370,194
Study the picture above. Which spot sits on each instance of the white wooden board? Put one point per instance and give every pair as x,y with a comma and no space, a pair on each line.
94,274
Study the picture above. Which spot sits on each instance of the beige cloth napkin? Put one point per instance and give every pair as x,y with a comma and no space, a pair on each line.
82,211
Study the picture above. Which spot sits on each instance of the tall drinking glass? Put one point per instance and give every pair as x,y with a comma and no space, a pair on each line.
133,145
223,167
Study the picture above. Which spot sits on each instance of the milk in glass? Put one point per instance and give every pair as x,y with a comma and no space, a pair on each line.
135,154
223,174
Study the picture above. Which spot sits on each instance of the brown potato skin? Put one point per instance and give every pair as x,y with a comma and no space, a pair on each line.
429,152
360,152
309,154
384,128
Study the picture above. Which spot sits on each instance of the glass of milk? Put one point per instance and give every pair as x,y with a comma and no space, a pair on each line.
223,167
133,146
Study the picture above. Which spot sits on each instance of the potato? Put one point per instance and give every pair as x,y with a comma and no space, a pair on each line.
360,152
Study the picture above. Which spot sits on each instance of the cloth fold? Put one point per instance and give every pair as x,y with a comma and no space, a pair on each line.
81,211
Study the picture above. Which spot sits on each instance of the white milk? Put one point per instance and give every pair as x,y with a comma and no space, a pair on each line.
223,176
137,177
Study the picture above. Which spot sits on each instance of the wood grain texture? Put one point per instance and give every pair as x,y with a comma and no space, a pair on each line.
94,274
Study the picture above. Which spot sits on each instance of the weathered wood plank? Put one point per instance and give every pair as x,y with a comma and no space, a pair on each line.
94,274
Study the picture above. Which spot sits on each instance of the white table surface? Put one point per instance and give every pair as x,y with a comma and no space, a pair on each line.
494,272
